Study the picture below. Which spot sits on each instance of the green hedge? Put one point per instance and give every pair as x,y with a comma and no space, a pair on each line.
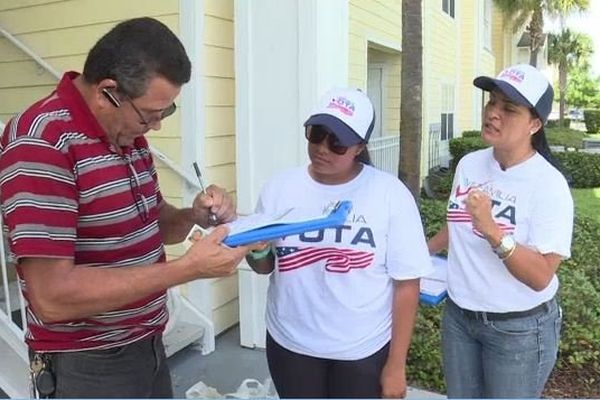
474,133
579,293
583,168
425,357
592,120
461,146
555,123
565,137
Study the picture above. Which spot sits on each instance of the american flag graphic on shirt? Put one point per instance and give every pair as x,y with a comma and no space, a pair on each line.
463,216
336,260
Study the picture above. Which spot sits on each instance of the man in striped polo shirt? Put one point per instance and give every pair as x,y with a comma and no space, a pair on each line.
87,223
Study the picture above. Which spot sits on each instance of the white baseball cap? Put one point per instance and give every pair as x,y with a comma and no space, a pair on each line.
523,84
347,113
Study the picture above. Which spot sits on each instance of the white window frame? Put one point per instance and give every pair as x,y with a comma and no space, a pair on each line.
487,25
380,119
448,111
449,8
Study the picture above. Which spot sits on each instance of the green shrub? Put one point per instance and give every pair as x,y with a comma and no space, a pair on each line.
424,361
425,356
592,120
579,293
461,146
565,137
474,133
555,123
439,183
580,340
583,168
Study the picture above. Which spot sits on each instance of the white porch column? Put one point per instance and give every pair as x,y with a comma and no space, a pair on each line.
288,52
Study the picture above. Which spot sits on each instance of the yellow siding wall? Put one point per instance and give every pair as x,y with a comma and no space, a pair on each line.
62,32
377,25
475,60
440,66
470,55
499,44
219,132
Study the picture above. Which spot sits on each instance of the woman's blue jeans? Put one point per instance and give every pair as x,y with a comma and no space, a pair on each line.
499,358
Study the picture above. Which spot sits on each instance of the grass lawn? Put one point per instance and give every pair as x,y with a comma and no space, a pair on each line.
587,201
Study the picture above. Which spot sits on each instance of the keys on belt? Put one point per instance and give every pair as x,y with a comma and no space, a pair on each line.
43,382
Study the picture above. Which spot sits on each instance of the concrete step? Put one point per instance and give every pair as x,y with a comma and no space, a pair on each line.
14,374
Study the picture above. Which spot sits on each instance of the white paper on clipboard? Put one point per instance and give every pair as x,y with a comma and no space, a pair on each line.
260,227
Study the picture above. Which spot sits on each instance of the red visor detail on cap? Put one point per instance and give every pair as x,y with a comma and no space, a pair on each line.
513,75
342,104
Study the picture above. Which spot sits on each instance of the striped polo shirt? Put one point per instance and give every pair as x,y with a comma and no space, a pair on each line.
66,193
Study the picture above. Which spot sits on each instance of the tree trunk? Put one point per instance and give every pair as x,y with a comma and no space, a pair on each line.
562,88
411,107
536,33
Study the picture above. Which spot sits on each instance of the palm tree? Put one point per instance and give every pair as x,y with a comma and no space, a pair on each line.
530,14
566,50
411,108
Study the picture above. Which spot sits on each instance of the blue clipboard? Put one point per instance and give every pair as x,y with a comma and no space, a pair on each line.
432,300
441,265
337,217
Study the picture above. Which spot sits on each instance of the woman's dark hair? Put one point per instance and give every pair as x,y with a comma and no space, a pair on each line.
540,144
135,51
364,156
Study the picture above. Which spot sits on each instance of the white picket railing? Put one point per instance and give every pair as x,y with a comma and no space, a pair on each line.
385,153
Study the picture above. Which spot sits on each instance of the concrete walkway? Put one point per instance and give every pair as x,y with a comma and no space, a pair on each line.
226,368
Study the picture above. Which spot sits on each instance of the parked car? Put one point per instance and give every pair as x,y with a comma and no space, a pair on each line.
575,114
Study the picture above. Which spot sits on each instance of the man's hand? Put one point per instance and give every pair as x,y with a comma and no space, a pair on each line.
208,258
215,201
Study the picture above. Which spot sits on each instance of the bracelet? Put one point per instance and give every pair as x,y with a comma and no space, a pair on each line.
259,254
510,253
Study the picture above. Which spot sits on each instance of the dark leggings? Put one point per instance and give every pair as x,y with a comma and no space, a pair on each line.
299,376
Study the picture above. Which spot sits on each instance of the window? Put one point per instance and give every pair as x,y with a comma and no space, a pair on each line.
487,24
375,88
448,7
447,115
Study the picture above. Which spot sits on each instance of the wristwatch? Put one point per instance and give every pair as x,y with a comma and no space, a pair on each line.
506,247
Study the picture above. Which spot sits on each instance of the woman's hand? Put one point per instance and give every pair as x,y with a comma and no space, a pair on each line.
479,205
393,380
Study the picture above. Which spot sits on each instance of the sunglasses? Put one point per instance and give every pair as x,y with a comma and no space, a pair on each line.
315,134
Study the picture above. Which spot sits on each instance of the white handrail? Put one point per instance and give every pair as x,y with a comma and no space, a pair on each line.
168,162
30,53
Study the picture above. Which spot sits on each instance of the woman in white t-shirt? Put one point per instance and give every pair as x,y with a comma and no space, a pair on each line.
509,225
341,301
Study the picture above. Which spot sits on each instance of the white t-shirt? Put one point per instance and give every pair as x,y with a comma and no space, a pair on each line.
330,294
531,201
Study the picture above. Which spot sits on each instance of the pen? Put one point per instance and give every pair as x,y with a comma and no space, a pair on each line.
212,218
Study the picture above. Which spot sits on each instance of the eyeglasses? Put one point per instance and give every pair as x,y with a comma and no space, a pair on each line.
167,112
141,203
315,134
143,120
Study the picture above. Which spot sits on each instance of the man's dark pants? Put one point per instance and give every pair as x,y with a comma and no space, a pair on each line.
137,370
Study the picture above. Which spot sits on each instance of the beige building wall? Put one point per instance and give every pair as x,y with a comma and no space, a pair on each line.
442,57
375,31
476,58
219,133
62,33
